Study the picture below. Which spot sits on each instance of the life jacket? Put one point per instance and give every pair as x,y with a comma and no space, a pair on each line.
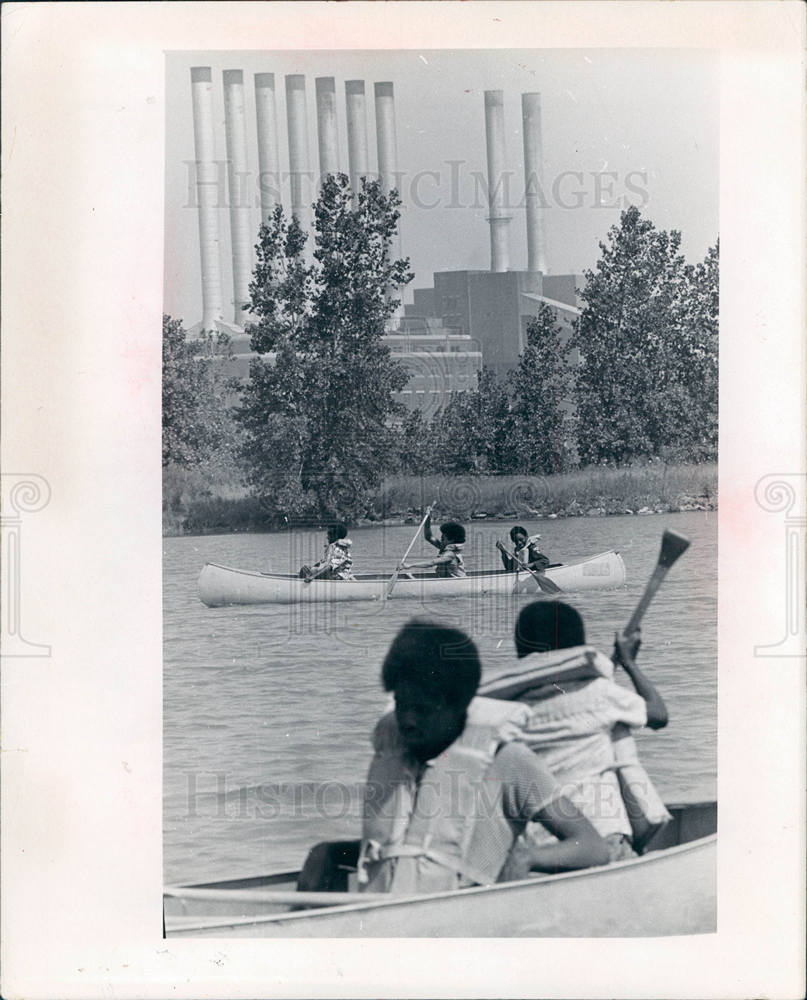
417,835
339,560
458,566
537,679
540,672
530,553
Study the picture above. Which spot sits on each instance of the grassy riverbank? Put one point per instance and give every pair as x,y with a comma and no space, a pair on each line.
193,507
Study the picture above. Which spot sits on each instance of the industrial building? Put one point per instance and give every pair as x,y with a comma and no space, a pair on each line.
494,307
468,318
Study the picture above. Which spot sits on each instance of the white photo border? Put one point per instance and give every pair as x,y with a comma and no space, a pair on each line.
83,149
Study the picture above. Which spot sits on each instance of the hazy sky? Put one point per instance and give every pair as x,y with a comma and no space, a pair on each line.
650,117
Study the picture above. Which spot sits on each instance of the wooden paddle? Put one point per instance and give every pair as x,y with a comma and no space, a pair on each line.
673,545
546,585
396,574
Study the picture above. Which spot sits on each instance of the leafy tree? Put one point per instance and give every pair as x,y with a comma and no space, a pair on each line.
318,409
541,386
456,436
697,354
647,337
496,424
415,455
197,385
473,432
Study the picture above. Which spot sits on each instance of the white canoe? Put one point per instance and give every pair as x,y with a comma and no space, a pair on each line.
670,889
220,586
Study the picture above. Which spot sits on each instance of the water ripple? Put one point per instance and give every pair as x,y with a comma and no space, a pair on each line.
274,697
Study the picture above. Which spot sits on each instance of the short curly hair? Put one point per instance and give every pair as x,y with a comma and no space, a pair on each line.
442,661
454,533
546,625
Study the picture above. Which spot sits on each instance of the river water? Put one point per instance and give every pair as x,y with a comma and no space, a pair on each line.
268,710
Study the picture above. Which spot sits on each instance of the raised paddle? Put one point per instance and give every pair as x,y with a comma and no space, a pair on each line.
547,586
394,578
673,545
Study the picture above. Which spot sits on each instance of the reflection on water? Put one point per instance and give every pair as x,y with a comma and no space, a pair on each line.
268,710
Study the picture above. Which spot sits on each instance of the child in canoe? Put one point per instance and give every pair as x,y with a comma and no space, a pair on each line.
449,562
450,786
337,562
526,551
581,721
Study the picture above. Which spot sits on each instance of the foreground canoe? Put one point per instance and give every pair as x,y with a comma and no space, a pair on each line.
220,586
670,889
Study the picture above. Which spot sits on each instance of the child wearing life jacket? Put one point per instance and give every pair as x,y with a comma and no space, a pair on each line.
337,562
449,562
581,722
450,786
526,551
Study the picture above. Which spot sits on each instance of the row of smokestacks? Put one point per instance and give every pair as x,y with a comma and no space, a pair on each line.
242,235
235,124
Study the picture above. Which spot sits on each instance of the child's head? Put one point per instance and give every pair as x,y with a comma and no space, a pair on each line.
453,533
518,536
434,672
546,625
336,531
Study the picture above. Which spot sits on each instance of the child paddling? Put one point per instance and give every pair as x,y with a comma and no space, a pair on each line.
337,562
526,551
449,562
581,721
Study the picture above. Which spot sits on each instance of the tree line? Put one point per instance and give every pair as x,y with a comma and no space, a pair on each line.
316,427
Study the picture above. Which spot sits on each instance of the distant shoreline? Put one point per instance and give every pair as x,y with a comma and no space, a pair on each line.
655,488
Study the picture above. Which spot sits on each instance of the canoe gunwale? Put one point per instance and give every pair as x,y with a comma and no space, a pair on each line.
227,586
384,577
362,903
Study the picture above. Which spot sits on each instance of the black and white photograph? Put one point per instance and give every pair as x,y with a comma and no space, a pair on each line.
440,403
403,500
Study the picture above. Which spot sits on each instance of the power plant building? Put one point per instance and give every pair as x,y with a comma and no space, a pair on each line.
493,308
468,318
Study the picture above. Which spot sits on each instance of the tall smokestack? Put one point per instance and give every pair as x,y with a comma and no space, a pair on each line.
207,195
326,126
499,222
356,132
388,166
235,127
268,161
533,181
298,145
385,136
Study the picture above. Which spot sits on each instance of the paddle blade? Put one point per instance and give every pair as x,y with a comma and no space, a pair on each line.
673,545
392,581
548,586
544,584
